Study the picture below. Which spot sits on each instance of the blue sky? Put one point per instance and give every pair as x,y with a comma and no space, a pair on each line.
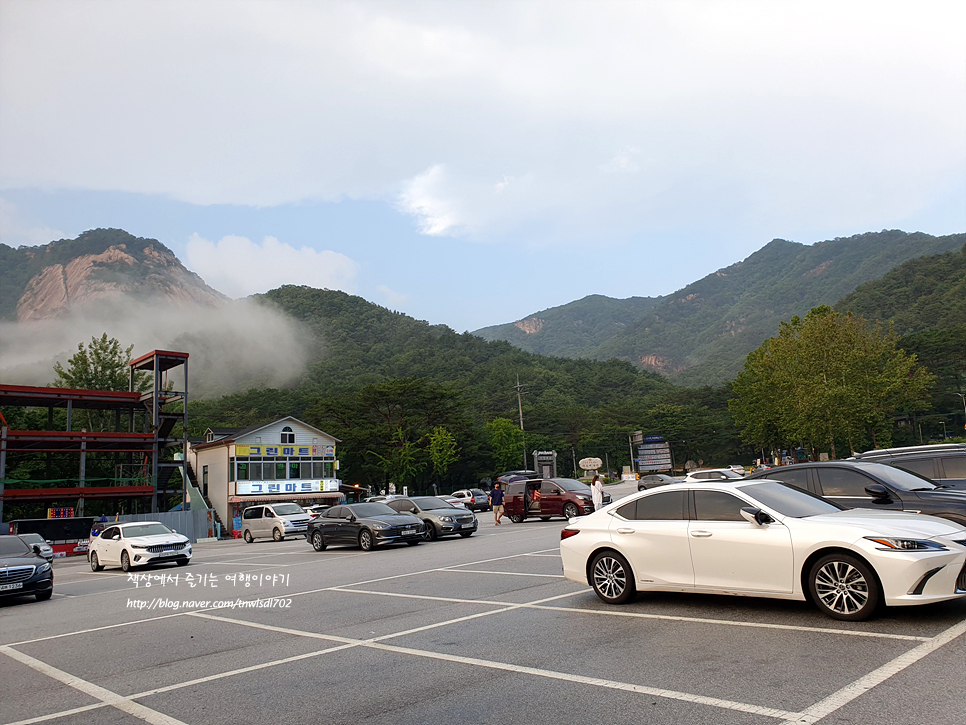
471,163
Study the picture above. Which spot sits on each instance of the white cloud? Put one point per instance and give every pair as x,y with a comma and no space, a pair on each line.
846,114
15,231
390,297
239,267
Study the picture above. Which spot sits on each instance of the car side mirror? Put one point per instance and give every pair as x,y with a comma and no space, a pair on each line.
117,537
174,531
414,510
36,548
756,516
352,518
878,492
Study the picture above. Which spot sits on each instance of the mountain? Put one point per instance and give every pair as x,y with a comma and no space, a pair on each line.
576,329
49,281
701,334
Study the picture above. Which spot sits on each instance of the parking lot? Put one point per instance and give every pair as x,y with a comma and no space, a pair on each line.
477,630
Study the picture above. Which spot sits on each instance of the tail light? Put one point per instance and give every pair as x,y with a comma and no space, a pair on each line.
567,533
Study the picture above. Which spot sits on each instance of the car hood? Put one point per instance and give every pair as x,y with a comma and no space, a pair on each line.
893,523
27,560
157,539
394,519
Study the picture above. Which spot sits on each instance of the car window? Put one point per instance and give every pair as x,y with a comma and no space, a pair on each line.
790,501
253,513
954,467
431,502
33,538
922,466
400,506
717,506
843,482
665,506
148,529
795,477
288,509
13,546
333,513
549,489
109,533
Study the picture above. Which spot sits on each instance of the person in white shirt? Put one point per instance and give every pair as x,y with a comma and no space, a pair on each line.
597,489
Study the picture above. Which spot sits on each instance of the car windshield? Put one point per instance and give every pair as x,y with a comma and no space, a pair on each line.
287,509
145,530
431,502
570,484
33,538
903,480
789,500
13,546
364,510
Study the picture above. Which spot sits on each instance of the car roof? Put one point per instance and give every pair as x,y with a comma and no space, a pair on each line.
912,451
123,524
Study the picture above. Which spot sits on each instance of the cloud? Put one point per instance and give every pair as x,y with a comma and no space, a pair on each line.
15,231
391,297
239,267
771,112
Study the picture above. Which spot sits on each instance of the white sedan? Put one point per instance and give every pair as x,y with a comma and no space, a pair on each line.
135,543
765,539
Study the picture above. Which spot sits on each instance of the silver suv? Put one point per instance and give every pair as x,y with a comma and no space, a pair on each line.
277,520
473,498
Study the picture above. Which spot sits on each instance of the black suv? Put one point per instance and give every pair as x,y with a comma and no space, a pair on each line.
861,484
944,463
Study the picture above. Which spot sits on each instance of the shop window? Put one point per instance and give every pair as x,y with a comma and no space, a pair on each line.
293,469
268,471
204,480
305,470
280,470
231,469
288,437
318,469
243,471
255,471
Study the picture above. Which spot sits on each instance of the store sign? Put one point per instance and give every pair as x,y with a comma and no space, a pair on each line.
254,488
278,450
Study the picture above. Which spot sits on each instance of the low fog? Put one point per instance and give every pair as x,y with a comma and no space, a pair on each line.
240,345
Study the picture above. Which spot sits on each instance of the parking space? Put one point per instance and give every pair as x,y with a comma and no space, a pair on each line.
476,630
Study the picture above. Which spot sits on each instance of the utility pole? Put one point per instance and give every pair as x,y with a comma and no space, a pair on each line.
520,393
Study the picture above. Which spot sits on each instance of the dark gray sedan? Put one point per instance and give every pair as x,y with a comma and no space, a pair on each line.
440,517
366,525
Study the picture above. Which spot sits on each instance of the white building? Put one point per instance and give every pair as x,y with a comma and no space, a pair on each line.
286,460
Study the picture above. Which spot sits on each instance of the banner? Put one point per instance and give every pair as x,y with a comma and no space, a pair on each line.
280,450
255,488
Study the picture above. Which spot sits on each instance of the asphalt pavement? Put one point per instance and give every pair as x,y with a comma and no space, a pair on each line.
477,630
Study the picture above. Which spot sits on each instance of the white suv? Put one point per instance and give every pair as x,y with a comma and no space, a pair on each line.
713,474
472,498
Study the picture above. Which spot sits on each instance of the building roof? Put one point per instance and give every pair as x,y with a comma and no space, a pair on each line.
234,435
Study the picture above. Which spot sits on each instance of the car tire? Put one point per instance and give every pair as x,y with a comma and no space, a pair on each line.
183,562
95,564
365,540
612,578
278,535
844,587
125,561
431,533
318,543
516,519
413,543
248,537
44,596
570,511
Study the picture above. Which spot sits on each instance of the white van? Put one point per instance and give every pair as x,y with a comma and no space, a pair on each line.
277,520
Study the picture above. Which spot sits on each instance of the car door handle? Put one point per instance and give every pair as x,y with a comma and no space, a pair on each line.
625,531
700,534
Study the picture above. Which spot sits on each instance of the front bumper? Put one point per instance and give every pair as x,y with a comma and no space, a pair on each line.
910,578
395,536
38,582
143,557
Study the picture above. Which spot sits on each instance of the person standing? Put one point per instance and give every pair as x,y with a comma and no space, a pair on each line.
597,489
496,503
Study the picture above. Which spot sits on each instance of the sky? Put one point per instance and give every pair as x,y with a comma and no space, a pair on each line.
471,163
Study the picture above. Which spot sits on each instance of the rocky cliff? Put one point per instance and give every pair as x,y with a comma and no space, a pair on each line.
38,283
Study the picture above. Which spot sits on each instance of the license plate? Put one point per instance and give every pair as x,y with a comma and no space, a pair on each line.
467,526
408,532
8,587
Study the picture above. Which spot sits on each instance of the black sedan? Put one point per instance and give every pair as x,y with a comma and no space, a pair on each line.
23,570
652,480
858,484
366,525
440,518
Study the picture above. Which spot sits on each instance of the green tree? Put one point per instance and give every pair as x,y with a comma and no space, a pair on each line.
443,451
102,365
506,440
824,379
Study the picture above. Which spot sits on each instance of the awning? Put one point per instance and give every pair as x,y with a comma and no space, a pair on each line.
269,498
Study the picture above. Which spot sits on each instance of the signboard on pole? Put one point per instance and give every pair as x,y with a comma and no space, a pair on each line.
653,454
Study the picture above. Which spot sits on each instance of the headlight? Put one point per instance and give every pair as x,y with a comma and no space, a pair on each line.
139,546
43,567
889,544
379,525
584,498
447,519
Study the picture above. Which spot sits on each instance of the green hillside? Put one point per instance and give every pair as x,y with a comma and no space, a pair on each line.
701,334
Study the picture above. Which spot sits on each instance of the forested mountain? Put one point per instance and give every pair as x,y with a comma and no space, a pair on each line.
702,333
378,374
51,280
576,329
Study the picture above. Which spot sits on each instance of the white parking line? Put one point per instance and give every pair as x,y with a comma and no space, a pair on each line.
502,573
839,699
106,696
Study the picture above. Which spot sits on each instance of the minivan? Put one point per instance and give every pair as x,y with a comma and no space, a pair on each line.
277,520
543,498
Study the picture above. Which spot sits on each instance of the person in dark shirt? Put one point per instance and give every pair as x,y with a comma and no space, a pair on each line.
496,502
